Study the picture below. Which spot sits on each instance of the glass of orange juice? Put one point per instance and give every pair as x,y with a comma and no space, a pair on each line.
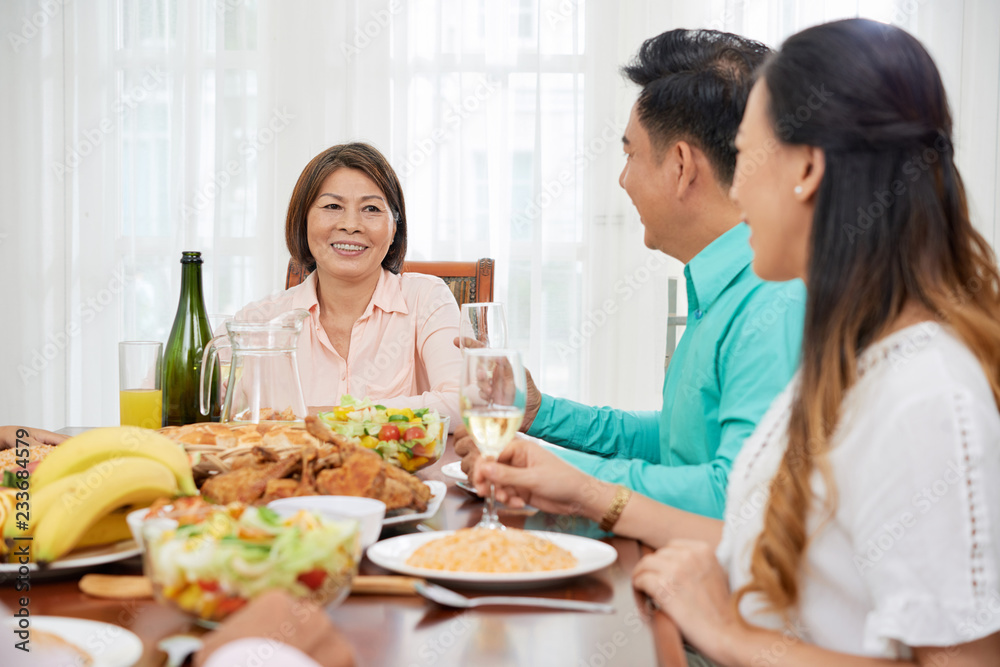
139,394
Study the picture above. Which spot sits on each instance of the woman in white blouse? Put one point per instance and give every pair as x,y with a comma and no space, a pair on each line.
863,515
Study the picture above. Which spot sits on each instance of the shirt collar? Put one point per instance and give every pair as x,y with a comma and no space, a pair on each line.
388,295
716,266
305,294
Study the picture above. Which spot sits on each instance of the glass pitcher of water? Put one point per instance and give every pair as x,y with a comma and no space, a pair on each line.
263,379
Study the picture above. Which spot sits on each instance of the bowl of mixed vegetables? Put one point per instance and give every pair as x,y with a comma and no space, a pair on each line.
214,566
409,438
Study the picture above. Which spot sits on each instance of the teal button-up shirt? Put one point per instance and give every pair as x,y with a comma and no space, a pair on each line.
739,350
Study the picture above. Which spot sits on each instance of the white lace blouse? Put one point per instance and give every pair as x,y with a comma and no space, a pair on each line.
910,557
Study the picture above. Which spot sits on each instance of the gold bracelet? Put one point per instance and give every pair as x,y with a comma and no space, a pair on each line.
616,508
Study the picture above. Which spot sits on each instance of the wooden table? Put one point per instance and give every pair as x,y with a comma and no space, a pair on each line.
409,631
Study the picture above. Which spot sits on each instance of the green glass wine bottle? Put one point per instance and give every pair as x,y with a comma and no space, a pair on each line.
182,356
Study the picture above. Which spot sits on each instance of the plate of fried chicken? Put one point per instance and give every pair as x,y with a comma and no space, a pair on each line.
260,463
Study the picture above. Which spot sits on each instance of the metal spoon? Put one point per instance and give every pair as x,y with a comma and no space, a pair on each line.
449,598
178,648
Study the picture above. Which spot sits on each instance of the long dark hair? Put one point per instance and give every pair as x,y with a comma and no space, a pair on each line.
355,155
891,226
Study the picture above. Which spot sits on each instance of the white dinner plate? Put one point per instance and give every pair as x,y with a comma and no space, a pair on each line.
438,491
107,645
454,470
87,558
591,556
468,488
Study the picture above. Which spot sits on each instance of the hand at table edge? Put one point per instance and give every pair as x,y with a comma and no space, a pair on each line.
9,435
275,618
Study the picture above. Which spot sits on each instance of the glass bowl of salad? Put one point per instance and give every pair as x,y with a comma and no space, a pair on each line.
214,566
409,438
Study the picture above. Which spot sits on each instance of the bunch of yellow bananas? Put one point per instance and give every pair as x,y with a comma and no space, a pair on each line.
7,503
80,494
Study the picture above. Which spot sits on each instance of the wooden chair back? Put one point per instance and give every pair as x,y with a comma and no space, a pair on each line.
470,282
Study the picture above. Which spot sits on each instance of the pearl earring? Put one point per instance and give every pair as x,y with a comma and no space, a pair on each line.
798,189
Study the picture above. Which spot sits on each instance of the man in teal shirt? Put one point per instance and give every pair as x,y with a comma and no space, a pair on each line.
738,352
743,335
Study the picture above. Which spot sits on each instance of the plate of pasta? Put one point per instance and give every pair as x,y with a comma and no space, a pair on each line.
479,558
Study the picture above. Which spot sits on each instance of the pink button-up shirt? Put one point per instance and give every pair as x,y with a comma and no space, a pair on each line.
402,350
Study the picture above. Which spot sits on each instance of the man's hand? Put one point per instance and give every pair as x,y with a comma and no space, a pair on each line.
533,397
466,449
9,435
533,401
276,615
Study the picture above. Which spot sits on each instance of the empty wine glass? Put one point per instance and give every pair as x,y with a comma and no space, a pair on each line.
483,325
492,395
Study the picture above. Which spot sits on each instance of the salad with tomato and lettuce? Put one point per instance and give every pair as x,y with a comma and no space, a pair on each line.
213,567
409,438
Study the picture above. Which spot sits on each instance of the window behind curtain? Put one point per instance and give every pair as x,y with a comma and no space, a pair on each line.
187,154
492,116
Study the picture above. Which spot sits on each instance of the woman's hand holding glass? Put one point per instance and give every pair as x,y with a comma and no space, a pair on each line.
528,474
492,397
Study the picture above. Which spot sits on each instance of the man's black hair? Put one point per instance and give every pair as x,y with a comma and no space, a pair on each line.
695,85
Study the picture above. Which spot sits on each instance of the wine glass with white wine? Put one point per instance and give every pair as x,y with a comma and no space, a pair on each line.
492,396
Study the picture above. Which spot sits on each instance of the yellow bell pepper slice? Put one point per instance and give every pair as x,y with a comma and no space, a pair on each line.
190,598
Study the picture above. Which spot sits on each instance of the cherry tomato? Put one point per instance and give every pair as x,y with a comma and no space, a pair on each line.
389,432
208,586
313,579
414,433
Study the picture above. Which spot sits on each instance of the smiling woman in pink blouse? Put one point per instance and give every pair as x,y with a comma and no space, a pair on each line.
372,330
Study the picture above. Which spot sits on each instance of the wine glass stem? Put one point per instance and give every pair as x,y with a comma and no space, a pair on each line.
491,509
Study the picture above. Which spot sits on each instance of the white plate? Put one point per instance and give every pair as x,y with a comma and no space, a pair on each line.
468,488
591,556
454,470
108,645
438,491
109,553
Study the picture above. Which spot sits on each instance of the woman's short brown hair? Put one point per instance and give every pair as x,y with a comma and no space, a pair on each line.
357,155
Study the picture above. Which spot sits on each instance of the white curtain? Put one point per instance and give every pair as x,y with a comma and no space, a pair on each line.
961,36
134,129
